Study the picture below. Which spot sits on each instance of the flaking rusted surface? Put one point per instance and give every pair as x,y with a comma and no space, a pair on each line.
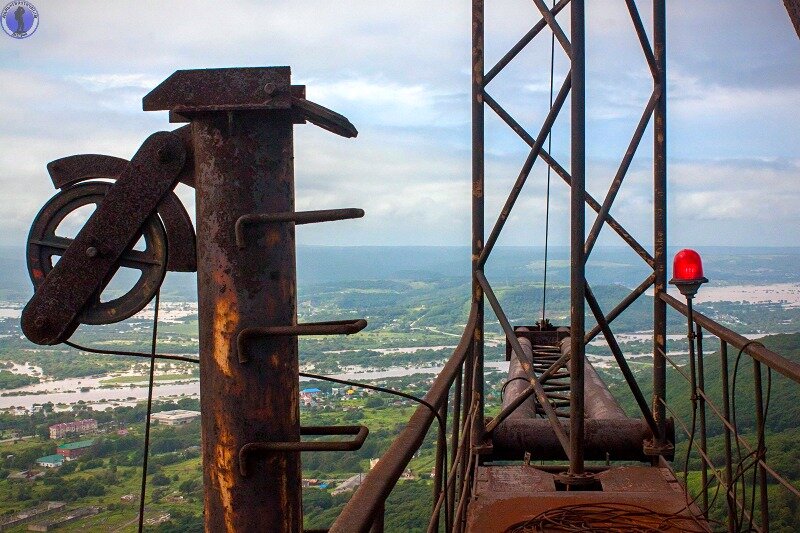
53,314
243,165
508,495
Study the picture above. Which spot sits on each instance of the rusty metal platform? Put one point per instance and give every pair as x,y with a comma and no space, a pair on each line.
505,498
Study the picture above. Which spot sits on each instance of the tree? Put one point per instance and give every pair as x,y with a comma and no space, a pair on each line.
374,401
24,493
190,486
159,480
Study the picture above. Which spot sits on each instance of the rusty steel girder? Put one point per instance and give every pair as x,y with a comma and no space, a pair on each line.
793,9
617,439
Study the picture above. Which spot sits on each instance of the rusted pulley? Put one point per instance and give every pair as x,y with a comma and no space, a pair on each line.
136,206
47,243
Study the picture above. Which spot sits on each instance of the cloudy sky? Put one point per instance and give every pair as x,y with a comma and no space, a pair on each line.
400,72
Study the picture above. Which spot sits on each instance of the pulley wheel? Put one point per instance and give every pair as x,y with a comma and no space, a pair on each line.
45,246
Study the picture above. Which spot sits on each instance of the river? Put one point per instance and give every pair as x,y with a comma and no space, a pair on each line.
91,391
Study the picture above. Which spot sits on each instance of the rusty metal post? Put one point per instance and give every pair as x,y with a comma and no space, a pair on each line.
701,404
440,467
243,165
578,237
726,412
660,227
377,525
477,211
242,139
454,442
761,450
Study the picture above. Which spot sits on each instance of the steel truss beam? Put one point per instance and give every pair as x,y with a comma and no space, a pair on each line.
581,243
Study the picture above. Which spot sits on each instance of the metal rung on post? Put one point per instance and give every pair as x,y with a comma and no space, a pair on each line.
333,327
360,433
298,217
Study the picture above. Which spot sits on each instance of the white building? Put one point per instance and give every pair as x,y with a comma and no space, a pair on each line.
50,461
178,417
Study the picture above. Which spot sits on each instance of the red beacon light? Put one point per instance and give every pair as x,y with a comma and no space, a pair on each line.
687,272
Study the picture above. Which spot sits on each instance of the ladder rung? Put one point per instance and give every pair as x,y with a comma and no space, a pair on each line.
333,327
298,217
360,433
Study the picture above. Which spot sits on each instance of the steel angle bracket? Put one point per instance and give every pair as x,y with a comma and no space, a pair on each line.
324,117
187,93
89,263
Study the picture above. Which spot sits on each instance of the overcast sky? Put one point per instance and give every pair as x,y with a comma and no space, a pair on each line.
400,72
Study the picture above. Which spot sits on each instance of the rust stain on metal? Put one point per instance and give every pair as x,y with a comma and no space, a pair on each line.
225,473
226,321
509,495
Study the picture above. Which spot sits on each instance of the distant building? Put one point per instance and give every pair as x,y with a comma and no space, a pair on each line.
30,514
64,519
178,417
58,431
160,519
307,396
73,450
350,483
26,475
50,461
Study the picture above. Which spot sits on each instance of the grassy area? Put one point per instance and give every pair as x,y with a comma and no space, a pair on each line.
175,477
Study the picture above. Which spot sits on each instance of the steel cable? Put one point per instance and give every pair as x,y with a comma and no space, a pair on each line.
153,343
439,418
760,447
607,518
547,196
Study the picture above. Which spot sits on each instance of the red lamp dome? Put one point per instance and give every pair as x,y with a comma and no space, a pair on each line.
687,272
687,266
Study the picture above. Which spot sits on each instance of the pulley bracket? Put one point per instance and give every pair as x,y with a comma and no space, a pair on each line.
89,263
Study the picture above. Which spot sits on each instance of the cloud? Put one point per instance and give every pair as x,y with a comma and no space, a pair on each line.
400,71
104,82
389,104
